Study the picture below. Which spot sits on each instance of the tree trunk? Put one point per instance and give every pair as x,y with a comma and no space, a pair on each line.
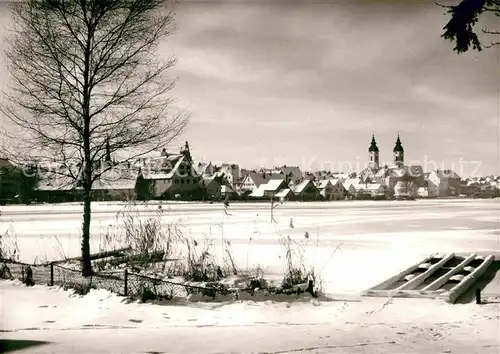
86,263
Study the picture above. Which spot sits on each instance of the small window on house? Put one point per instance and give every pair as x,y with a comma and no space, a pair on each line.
182,181
176,181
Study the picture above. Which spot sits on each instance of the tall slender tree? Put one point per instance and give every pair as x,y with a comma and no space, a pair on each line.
87,81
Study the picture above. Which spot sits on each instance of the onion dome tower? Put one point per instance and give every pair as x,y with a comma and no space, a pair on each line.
373,152
399,153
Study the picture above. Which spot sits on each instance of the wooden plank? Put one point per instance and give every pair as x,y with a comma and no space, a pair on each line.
420,278
113,253
401,274
454,293
442,280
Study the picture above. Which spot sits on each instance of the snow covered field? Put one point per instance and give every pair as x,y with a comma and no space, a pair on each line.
375,240
353,245
101,322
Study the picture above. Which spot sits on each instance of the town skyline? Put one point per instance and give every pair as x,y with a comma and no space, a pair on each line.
289,83
465,168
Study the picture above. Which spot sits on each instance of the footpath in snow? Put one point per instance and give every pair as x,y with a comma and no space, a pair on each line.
101,322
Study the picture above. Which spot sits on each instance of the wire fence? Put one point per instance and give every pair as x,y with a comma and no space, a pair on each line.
124,283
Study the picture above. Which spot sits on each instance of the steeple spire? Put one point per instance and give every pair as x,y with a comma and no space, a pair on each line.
373,154
398,147
399,153
373,145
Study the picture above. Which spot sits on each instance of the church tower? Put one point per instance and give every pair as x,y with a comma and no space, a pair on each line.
374,154
399,153
187,154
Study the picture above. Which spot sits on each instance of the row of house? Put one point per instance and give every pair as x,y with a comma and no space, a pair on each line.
158,176
164,175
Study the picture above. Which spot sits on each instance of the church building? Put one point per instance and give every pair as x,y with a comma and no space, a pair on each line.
390,175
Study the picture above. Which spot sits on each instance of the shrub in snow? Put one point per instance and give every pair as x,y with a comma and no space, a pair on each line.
9,249
28,280
5,271
148,294
79,288
257,284
151,239
211,289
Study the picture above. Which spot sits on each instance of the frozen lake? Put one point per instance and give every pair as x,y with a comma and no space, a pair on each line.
381,237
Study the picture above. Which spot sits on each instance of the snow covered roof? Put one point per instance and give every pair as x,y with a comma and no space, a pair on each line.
159,174
283,193
55,182
373,186
367,172
351,182
272,185
202,167
400,185
397,172
446,174
323,184
259,192
299,188
205,181
225,189
293,170
116,178
334,181
415,170
261,178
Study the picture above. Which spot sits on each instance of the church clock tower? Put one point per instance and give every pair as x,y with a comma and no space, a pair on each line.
399,153
373,154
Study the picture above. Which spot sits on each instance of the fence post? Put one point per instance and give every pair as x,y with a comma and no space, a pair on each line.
51,273
125,290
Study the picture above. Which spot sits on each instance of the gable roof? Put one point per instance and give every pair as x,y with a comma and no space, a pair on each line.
283,193
323,184
116,178
272,185
397,172
259,178
299,188
226,189
165,169
259,192
446,174
206,181
415,170
55,182
202,167
293,170
348,186
335,181
373,186
255,177
352,181
368,172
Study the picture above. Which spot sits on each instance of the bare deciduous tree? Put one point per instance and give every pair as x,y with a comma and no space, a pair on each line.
460,29
87,82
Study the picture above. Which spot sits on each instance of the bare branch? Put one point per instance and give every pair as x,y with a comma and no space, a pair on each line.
86,81
63,102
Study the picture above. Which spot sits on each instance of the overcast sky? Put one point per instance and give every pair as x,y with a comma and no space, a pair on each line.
271,83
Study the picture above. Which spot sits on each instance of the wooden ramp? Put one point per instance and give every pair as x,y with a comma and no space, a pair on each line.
439,276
